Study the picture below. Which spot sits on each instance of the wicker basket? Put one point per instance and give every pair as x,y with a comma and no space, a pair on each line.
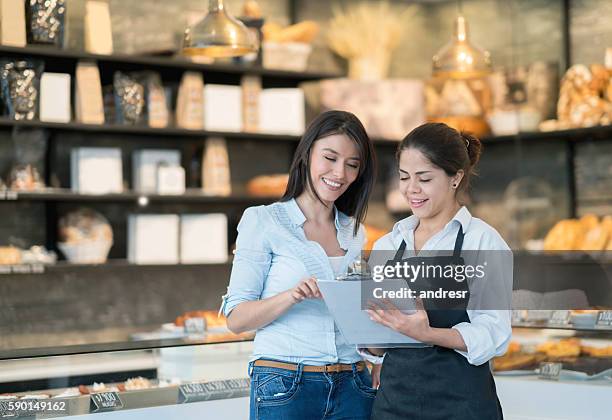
90,252
286,56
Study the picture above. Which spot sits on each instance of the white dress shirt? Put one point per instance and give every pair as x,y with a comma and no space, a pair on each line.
489,331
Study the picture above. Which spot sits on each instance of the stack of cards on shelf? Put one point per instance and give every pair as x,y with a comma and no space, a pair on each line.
96,170
55,97
89,107
153,239
281,111
12,23
204,238
222,108
158,171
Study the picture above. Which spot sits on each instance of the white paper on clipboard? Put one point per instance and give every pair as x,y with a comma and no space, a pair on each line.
343,300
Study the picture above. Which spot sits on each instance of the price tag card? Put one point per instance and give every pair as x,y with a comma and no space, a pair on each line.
517,316
195,325
105,401
559,318
215,390
550,370
604,319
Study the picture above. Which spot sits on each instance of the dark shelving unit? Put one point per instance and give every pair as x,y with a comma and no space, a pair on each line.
260,152
61,137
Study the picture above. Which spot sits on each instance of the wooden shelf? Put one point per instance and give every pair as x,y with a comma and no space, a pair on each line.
574,135
110,265
210,338
190,196
146,131
545,326
67,58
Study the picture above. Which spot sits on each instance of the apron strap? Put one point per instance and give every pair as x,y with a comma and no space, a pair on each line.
400,251
456,252
458,243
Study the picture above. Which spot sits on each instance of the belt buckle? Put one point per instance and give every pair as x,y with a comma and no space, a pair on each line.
333,368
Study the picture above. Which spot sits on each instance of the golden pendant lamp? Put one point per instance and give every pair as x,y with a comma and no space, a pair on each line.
218,35
460,59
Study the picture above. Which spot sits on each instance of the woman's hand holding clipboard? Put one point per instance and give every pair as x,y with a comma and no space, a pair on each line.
415,324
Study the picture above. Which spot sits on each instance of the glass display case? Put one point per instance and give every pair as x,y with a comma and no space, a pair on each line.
166,378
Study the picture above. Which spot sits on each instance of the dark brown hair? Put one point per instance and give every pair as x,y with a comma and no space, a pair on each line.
354,201
446,148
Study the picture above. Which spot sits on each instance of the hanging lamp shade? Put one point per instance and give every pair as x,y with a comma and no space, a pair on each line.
460,59
218,35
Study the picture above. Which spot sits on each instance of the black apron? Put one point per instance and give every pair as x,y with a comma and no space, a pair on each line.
436,383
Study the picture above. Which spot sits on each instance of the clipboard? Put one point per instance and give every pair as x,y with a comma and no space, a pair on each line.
343,300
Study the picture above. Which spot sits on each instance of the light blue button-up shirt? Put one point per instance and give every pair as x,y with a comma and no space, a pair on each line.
489,331
273,255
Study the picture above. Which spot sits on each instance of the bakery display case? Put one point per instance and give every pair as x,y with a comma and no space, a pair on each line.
559,362
192,361
556,373
163,379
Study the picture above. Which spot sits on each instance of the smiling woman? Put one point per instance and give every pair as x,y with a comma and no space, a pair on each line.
335,140
435,164
302,367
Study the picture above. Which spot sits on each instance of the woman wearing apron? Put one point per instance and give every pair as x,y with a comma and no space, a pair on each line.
449,378
301,367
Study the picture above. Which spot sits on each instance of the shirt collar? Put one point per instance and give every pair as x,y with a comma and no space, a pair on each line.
297,217
463,217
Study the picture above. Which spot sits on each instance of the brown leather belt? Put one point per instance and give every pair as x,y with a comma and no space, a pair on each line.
340,367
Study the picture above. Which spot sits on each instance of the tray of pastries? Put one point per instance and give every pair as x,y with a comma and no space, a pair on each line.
589,358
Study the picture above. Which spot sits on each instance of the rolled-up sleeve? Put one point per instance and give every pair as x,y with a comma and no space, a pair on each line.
489,331
486,335
251,263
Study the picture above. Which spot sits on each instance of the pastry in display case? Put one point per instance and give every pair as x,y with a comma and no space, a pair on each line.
585,234
95,380
589,357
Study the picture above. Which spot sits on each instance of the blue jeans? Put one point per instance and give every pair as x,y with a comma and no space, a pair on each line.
281,394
